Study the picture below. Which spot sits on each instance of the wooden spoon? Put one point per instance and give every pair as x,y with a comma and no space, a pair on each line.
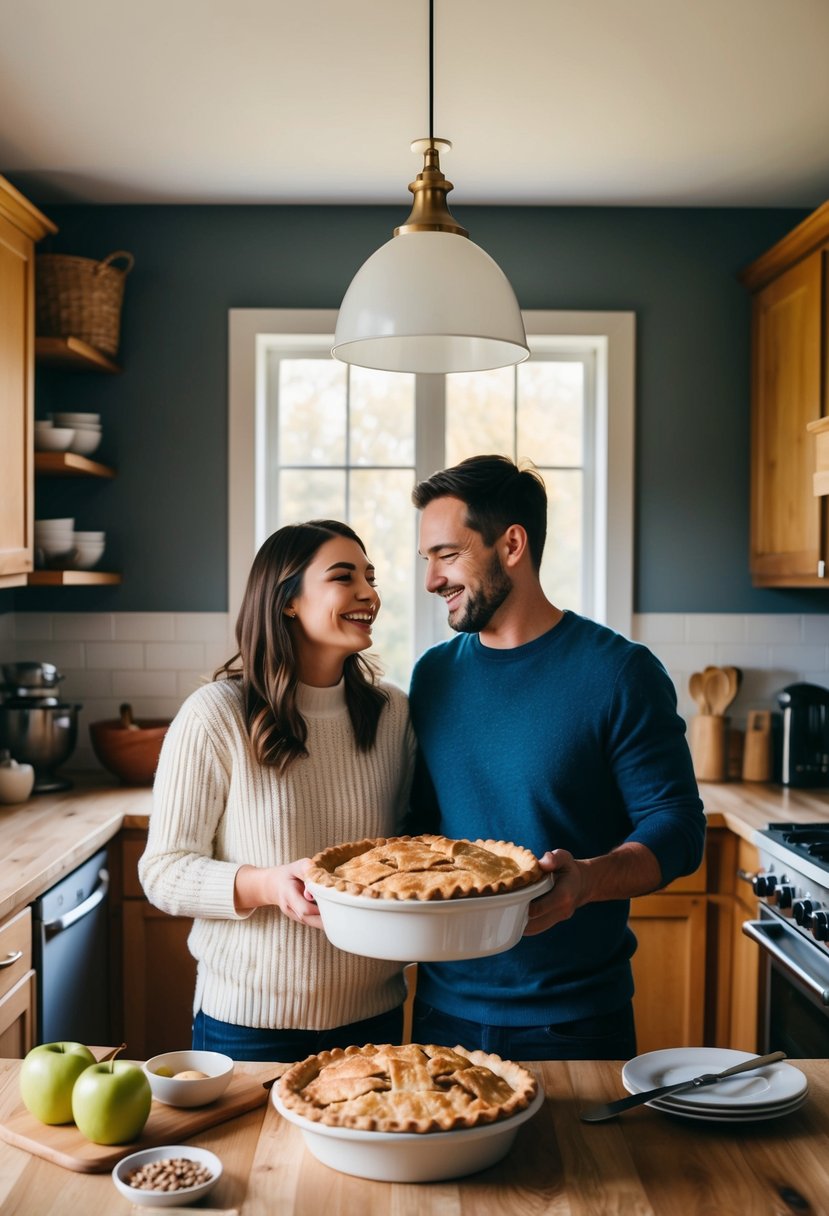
718,690
696,687
734,680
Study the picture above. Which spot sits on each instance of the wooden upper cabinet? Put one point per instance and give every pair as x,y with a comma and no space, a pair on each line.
786,538
21,225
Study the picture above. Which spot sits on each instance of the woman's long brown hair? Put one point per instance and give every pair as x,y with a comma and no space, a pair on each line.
265,662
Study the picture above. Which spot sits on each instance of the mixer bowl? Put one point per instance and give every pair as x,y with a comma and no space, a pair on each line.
31,675
41,735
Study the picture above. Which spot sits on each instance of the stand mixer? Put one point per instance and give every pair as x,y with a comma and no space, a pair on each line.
35,725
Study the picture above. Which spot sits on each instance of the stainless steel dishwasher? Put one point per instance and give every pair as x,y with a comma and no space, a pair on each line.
71,951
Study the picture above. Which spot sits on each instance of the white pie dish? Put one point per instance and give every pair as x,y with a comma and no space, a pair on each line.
166,1199
427,931
409,1156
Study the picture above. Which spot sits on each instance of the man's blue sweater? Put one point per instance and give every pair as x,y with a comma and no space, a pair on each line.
570,741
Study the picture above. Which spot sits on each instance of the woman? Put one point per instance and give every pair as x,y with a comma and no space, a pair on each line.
294,746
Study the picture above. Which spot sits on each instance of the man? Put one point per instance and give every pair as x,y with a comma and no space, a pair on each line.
541,727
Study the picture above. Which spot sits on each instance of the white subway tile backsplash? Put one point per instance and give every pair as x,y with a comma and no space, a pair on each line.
154,660
164,655
201,627
83,626
113,655
133,684
144,626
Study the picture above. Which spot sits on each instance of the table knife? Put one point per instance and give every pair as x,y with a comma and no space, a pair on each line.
595,1114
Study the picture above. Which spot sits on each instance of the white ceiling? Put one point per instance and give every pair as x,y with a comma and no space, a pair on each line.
589,102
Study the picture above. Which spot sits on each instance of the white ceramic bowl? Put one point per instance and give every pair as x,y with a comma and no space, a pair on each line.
85,441
88,537
70,419
409,1156
87,555
53,438
166,1199
42,526
176,1092
426,931
43,424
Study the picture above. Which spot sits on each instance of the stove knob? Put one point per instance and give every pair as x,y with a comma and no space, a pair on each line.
820,926
764,884
802,910
784,896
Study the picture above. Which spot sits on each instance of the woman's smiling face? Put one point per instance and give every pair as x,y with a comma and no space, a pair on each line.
333,614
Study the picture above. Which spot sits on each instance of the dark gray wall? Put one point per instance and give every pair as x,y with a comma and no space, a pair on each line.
165,417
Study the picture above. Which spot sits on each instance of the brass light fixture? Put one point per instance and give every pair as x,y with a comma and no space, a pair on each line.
430,300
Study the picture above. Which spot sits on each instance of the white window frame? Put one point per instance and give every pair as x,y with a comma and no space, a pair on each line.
610,335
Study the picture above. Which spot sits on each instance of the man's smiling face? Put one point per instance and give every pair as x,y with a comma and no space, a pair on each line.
464,571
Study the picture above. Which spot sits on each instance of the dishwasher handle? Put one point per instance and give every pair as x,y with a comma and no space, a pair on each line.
52,927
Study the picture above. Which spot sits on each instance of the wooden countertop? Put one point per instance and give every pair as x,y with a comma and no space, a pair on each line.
46,837
645,1162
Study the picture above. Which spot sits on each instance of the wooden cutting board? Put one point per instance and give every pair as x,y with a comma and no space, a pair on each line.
64,1145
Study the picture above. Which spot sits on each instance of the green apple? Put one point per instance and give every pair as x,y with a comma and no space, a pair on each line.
111,1102
47,1076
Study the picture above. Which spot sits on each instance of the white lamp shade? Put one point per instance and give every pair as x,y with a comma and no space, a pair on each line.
430,302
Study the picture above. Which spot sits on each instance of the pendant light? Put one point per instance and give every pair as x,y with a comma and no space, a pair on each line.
430,300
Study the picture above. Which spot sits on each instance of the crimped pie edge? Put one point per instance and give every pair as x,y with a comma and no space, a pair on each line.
324,862
520,1079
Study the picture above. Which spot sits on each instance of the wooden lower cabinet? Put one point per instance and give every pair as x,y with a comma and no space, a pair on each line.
669,965
18,1008
155,974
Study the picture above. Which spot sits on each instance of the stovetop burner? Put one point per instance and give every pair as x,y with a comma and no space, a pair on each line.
805,839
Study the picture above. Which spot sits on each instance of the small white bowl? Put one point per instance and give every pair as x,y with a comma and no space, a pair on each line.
174,1091
84,557
438,930
76,419
166,1199
85,441
54,525
53,438
409,1156
87,537
43,424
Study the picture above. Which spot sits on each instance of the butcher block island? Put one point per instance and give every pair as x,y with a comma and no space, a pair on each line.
645,1162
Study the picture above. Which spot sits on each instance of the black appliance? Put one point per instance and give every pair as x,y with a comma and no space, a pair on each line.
805,759
792,888
71,947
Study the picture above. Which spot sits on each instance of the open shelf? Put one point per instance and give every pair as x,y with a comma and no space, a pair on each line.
70,464
74,353
70,578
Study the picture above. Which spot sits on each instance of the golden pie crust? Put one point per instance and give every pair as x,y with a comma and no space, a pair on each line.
412,1088
425,867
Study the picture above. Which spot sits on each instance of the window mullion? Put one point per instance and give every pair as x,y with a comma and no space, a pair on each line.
430,453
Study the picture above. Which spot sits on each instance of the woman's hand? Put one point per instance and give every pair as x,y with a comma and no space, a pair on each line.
281,887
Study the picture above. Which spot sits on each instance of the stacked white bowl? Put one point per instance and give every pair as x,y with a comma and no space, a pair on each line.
54,541
87,428
51,438
88,549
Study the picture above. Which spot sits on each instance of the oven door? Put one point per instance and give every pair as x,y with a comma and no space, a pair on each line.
796,1014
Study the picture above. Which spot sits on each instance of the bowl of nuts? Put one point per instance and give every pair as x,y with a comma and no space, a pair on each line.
189,1078
169,1176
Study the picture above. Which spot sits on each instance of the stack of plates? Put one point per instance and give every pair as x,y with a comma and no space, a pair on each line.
749,1097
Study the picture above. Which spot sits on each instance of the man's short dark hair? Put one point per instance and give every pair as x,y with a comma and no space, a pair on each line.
497,493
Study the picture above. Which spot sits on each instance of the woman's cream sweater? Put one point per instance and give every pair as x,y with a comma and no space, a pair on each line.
216,808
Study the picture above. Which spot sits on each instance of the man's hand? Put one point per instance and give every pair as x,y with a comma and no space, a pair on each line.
629,870
569,892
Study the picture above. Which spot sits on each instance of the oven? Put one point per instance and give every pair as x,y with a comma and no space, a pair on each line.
793,932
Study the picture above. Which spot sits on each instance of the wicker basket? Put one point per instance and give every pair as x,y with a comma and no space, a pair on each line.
81,298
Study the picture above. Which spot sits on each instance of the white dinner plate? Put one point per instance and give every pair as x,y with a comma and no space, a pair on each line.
772,1086
737,1115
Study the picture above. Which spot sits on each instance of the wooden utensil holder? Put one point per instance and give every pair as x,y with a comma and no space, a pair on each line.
757,760
709,747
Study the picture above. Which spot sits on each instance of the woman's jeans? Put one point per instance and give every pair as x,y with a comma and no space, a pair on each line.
608,1036
287,1046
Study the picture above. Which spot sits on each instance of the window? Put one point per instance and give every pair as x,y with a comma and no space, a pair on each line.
312,437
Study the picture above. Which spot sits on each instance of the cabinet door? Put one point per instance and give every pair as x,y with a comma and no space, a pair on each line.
159,980
17,1019
787,336
669,970
16,396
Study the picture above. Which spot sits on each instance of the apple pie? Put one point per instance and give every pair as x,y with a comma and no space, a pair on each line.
412,1088
425,867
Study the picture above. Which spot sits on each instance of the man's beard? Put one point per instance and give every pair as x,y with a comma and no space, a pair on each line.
482,605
